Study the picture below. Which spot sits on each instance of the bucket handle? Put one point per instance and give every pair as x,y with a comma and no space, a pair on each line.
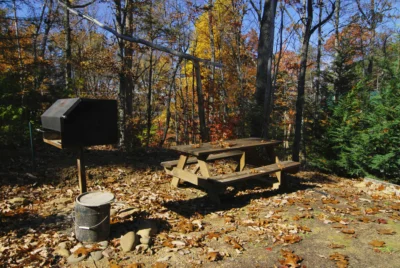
89,227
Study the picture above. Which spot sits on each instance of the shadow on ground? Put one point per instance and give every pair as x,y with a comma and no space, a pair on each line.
23,223
54,166
256,189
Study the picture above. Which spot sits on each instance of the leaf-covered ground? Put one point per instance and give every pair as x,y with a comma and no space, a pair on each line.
321,221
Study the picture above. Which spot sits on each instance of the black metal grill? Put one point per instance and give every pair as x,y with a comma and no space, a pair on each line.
79,122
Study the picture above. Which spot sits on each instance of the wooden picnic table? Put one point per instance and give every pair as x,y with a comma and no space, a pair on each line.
202,154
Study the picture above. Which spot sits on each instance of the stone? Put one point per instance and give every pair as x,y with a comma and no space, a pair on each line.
147,228
77,246
96,255
127,212
113,212
63,245
145,240
144,232
362,184
103,244
142,247
128,241
62,252
19,201
75,259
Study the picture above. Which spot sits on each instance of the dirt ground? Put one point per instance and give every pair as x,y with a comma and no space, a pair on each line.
319,221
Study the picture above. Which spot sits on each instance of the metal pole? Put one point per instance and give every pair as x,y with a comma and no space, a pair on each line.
32,149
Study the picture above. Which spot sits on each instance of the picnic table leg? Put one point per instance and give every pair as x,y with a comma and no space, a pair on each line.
181,164
242,162
281,184
204,169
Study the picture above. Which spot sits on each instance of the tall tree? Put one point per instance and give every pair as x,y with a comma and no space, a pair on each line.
308,30
67,49
264,90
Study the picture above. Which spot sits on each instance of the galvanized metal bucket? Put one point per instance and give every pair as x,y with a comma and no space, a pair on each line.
92,216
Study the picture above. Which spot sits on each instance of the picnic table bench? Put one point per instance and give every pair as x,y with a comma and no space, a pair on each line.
202,154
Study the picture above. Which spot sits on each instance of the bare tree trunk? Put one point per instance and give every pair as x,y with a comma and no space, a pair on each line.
168,116
212,46
149,91
308,31
67,51
318,81
193,105
200,103
336,25
264,69
319,48
277,64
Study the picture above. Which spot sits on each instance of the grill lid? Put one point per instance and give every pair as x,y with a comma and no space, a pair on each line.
60,109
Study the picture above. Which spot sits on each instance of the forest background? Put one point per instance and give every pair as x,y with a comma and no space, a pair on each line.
323,76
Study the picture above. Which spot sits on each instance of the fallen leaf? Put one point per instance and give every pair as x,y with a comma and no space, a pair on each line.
212,235
213,256
377,243
381,221
132,265
160,265
386,232
348,231
290,258
365,219
81,251
342,261
334,246
291,239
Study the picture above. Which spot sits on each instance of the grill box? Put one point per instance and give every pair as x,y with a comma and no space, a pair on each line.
80,122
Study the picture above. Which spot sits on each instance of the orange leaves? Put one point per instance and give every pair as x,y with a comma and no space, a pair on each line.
335,246
291,239
213,235
81,251
348,231
331,200
234,242
290,259
185,227
377,243
342,261
386,232
213,256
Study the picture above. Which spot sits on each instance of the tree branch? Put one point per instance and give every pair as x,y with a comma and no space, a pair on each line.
256,9
324,20
83,5
360,9
136,39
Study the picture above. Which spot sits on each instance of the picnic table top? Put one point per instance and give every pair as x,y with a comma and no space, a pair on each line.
223,146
